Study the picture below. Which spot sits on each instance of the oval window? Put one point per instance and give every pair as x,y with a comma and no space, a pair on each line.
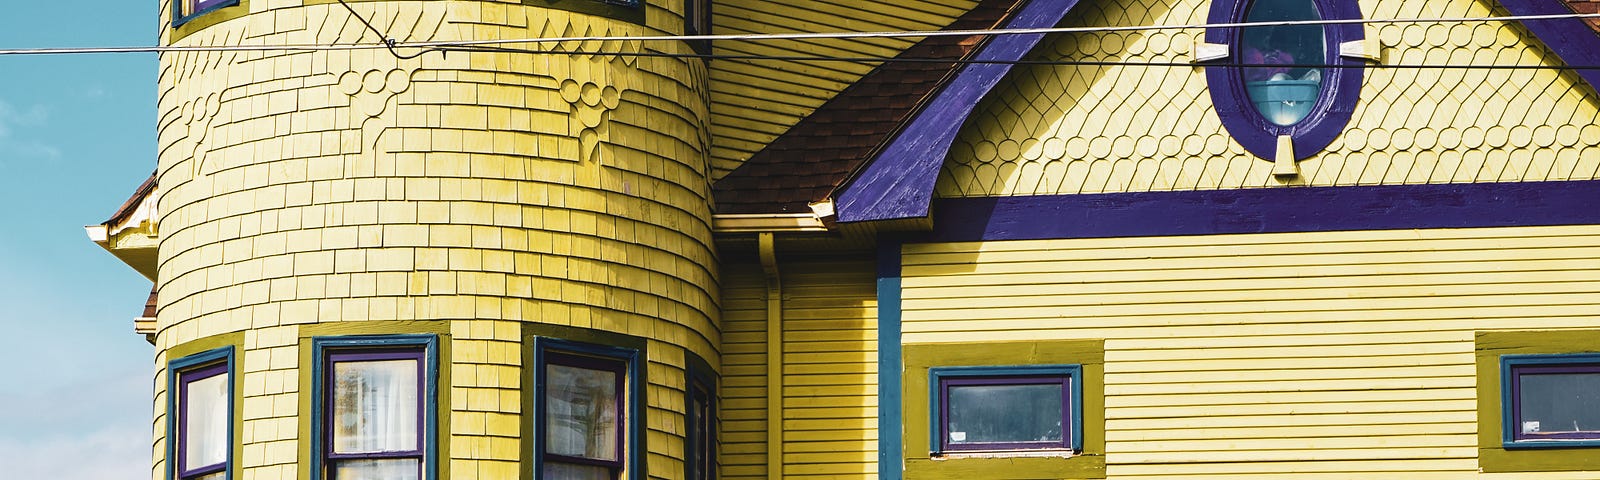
1284,81
1281,89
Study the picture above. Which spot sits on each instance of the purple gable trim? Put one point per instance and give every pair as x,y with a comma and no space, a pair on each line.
898,183
1269,210
1571,39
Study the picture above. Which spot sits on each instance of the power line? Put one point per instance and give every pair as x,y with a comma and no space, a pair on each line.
391,44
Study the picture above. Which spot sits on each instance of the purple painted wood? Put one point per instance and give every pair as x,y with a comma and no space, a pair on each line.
1341,87
1270,210
898,183
1570,38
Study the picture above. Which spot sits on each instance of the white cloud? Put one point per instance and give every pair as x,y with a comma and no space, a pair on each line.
10,119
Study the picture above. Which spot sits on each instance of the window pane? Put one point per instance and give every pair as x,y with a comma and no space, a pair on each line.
215,476
375,406
581,415
1559,405
1004,414
1283,94
386,469
205,433
568,471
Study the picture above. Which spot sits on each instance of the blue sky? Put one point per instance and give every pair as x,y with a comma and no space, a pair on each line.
77,135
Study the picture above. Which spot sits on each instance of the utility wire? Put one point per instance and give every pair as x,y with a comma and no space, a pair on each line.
391,44
388,42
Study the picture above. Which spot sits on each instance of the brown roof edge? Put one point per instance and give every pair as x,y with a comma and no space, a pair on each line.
133,202
150,304
1586,7
820,152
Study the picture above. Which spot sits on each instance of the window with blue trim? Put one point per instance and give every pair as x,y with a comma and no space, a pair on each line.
588,411
185,10
697,21
701,452
376,404
999,409
200,397
1550,400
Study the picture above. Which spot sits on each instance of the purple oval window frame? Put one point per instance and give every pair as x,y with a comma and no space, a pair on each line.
1336,102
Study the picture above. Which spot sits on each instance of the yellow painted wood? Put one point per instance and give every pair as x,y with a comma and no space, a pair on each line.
1236,356
829,413
754,101
1069,129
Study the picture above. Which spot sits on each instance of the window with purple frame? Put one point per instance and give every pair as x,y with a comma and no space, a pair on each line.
1012,408
184,10
1551,400
587,411
375,407
201,389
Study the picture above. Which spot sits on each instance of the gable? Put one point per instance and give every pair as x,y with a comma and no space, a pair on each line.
1069,129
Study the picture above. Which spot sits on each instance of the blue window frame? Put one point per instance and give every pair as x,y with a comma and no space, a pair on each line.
185,10
697,21
200,420
700,453
1277,94
588,411
1550,401
1010,408
374,413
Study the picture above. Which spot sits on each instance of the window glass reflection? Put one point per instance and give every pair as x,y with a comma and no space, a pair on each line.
1280,90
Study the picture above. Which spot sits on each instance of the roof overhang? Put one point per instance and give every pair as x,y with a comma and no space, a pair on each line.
131,234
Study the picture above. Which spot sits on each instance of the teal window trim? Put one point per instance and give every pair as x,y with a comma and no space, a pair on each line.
322,346
1508,401
633,362
1074,381
175,369
891,431
178,18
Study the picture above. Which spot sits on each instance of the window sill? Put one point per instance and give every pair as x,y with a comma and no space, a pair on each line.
1052,453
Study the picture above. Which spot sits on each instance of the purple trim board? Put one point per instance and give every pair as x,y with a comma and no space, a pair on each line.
898,183
1266,210
1570,38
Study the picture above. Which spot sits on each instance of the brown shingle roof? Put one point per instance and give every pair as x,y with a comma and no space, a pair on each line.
821,151
133,202
1586,6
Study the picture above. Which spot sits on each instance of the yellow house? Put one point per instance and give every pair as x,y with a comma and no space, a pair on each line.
556,239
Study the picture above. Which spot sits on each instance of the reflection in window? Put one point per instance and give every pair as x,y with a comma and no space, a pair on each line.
203,410
1554,400
1005,408
1282,91
375,413
583,416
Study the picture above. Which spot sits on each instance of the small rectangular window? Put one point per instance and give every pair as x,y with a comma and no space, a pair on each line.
202,393
1551,400
997,409
375,404
585,402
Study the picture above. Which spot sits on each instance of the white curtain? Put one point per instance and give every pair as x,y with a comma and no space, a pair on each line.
205,436
375,406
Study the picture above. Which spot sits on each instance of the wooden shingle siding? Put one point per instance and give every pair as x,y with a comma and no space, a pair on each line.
830,370
1311,355
753,101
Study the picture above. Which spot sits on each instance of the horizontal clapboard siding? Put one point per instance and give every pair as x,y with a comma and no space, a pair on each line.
1313,355
755,100
830,412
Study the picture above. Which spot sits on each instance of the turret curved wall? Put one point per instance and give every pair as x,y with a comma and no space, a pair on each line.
484,198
